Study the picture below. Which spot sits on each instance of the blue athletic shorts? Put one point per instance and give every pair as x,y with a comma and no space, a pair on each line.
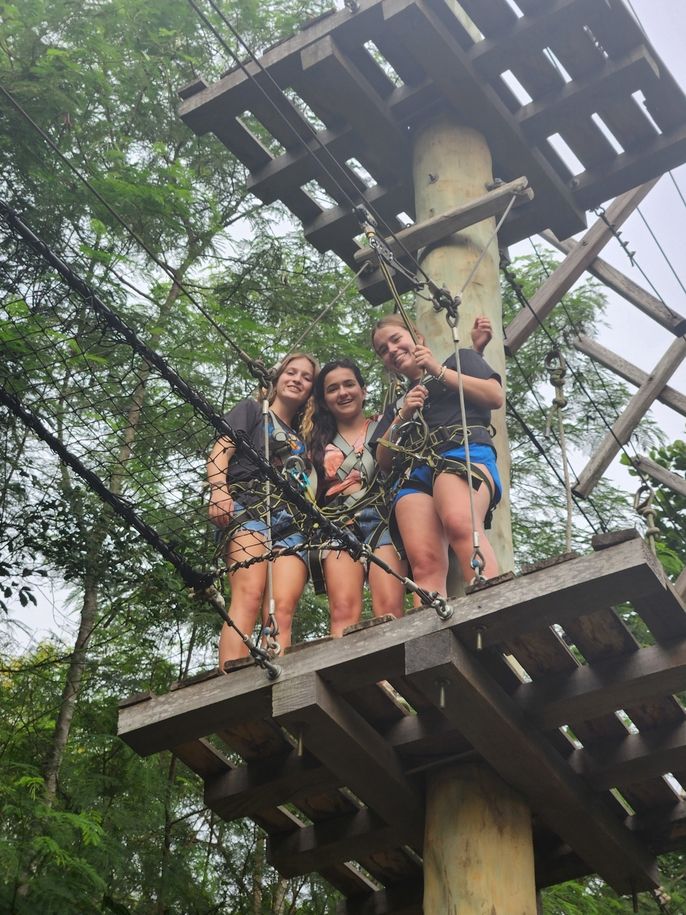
283,532
423,476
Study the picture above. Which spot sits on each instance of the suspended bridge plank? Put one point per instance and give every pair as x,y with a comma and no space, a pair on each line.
563,278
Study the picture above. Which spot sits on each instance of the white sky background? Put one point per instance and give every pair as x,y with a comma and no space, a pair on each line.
631,334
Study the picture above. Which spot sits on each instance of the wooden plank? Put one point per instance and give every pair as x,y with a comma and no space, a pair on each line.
203,758
493,203
246,790
629,372
580,99
563,278
341,222
350,748
624,286
660,474
327,843
627,571
499,731
624,426
664,829
666,151
605,686
637,757
401,899
476,102
384,146
282,60
526,36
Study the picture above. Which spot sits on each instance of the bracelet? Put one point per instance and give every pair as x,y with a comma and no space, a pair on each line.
441,374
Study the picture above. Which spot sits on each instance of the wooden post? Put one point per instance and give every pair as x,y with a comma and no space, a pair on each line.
478,849
478,831
452,165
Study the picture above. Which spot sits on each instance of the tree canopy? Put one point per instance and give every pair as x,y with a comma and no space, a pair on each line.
168,234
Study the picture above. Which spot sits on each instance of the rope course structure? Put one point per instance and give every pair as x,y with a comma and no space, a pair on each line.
76,341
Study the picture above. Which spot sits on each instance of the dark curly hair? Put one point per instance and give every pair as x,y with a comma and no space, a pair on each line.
324,427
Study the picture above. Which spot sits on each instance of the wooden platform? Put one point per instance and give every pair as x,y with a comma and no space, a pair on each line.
330,760
329,113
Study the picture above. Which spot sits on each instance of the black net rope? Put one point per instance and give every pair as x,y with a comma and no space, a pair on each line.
84,381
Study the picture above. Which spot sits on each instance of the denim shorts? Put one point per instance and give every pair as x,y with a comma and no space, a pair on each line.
423,476
283,533
368,520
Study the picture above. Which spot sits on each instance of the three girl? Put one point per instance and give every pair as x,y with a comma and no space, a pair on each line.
418,445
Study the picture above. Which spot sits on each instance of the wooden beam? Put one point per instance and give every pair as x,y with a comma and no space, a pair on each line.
636,409
637,757
246,790
527,35
400,899
327,843
563,278
477,103
494,203
668,150
625,572
498,729
629,372
582,97
621,284
597,689
348,746
660,474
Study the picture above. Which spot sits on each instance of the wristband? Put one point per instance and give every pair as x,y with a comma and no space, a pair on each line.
441,375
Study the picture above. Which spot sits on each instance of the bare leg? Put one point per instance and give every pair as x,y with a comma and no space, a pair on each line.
247,588
424,540
290,578
451,498
387,592
344,583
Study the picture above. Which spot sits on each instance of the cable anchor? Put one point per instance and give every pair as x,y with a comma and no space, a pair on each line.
478,564
643,504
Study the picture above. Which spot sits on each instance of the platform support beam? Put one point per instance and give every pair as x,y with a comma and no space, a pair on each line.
451,166
478,850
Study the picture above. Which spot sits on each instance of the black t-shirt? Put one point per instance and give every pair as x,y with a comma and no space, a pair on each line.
246,417
442,406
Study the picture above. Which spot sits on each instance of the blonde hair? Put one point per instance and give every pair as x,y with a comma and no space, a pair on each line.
395,320
303,416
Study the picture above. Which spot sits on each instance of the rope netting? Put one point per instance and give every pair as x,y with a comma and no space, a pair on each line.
115,411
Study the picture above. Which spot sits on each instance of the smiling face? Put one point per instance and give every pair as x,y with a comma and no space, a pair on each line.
343,395
395,348
295,381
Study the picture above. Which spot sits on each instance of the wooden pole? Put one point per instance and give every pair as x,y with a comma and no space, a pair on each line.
478,848
452,165
478,853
